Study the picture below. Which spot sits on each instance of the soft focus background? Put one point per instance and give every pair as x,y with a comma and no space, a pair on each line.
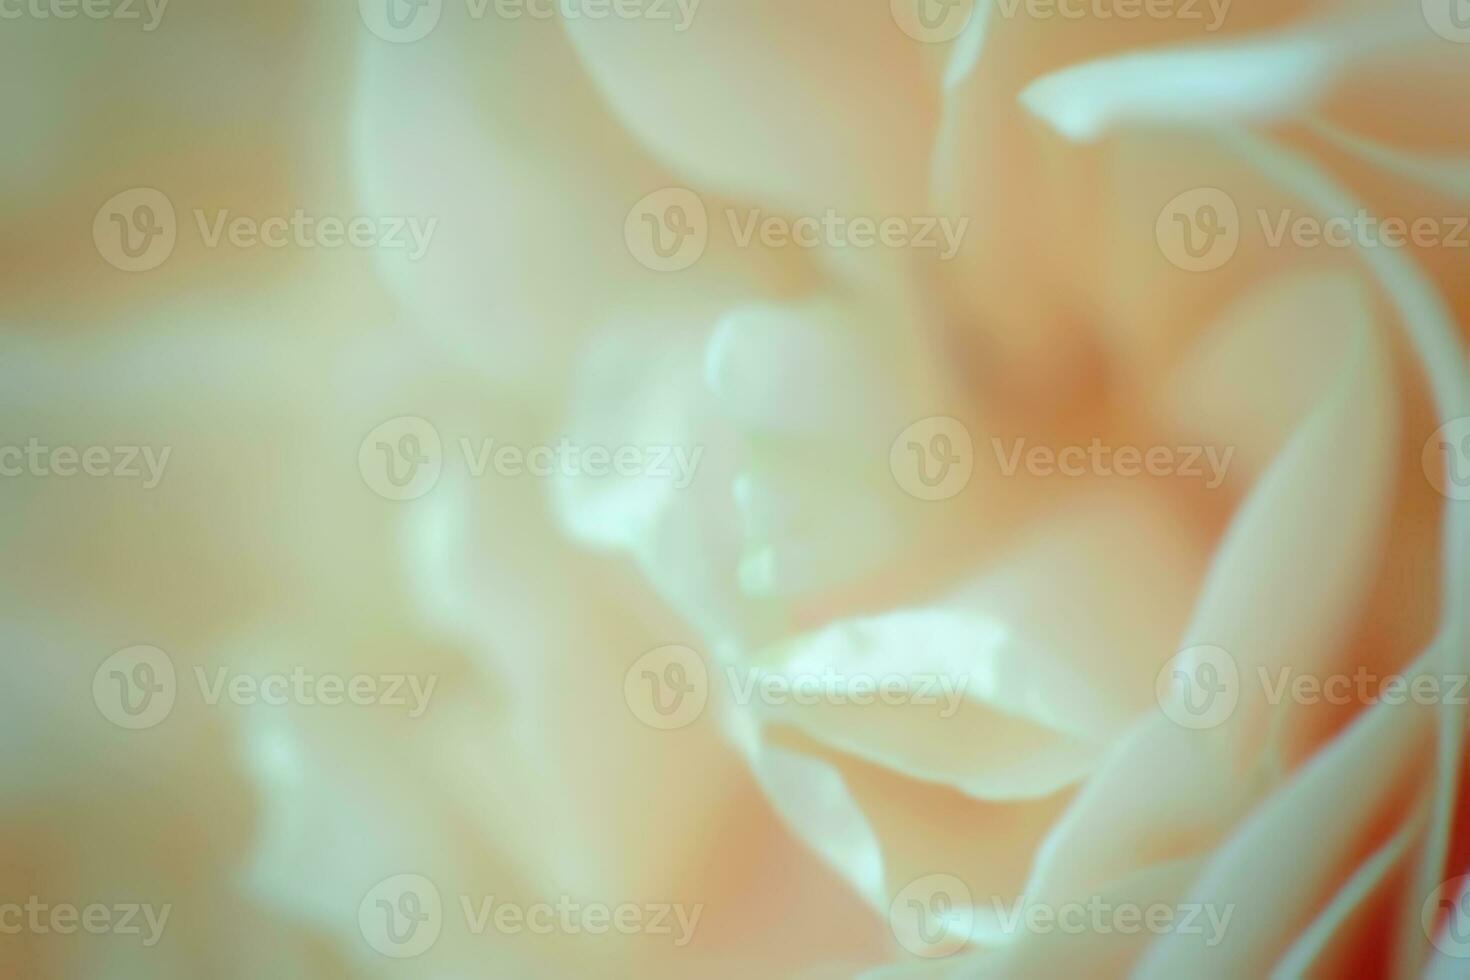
464,467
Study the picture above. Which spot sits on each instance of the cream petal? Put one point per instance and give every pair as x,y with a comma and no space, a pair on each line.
1298,557
557,638
1336,459
505,207
1407,103
818,388
817,808
642,385
1123,819
245,133
1057,235
1348,919
444,129
1263,364
1057,952
1040,655
1400,180
801,370
638,388
336,821
1254,80
797,517
1429,328
231,400
1318,830
963,656
1444,966
833,109
1445,172
769,516
929,828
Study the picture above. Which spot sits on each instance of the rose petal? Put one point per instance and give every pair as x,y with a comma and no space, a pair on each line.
833,108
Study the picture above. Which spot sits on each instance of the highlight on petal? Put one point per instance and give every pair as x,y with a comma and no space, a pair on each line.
1442,172
1251,81
813,369
815,804
1024,657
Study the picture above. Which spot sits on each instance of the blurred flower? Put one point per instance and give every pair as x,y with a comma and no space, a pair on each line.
981,555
